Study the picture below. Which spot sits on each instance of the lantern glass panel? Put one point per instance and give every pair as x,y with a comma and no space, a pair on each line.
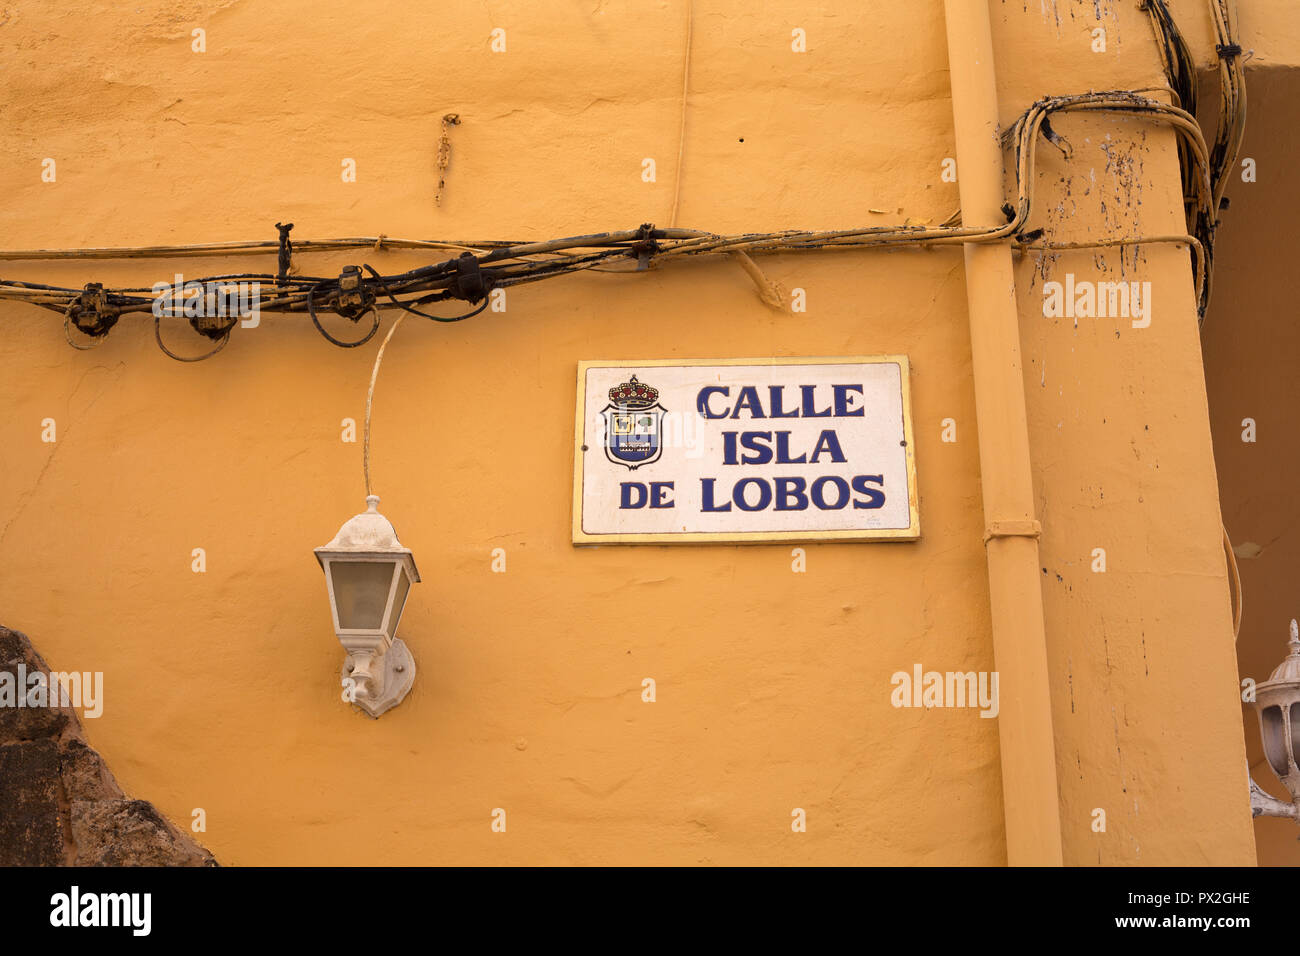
399,599
361,592
1272,728
1294,713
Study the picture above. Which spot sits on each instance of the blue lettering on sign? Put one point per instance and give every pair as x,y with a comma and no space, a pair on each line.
819,492
793,493
702,401
712,401
760,444
634,418
790,494
739,496
659,494
706,497
634,494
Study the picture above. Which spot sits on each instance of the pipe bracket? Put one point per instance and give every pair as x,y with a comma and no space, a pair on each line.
1016,528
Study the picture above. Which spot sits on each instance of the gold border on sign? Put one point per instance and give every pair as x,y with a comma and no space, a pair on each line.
910,533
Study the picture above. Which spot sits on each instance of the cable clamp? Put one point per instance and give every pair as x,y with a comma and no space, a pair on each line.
286,251
354,299
1014,528
93,301
208,323
645,246
1226,50
469,282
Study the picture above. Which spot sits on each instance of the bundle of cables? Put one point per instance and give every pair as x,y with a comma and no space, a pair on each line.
480,267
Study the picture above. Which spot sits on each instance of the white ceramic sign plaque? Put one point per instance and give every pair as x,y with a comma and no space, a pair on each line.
779,449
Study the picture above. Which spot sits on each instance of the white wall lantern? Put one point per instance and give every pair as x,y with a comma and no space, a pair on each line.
369,574
1277,702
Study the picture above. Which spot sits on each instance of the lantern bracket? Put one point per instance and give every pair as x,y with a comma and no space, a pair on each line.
377,680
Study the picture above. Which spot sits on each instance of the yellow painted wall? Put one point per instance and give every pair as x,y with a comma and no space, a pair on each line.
773,687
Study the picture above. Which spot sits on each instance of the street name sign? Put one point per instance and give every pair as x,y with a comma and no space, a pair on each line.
744,450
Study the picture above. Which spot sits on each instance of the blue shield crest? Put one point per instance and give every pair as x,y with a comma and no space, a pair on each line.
633,424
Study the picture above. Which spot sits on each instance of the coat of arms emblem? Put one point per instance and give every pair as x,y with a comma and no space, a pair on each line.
633,424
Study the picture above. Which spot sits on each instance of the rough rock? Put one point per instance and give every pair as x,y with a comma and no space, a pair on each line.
59,802
126,832
30,830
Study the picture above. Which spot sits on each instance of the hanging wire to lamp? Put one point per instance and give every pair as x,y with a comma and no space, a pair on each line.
368,575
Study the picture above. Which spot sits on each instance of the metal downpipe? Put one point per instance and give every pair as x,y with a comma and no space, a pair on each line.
1030,798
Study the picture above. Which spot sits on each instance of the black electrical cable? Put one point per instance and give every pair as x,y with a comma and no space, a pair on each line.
472,276
157,335
402,305
311,309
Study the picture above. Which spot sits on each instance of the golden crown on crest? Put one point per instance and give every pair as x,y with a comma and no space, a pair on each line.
634,394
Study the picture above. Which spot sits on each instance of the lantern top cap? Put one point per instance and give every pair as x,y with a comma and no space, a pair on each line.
1289,669
368,531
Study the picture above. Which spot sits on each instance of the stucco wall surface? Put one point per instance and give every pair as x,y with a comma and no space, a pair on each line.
773,687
